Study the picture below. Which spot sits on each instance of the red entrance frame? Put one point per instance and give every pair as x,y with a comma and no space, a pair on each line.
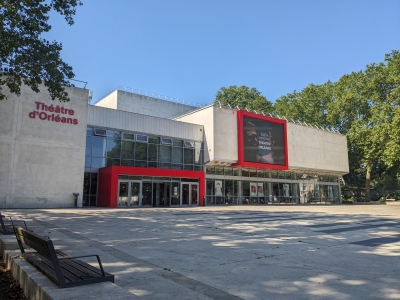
108,181
241,163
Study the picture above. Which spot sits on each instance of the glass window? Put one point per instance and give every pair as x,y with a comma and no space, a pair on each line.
113,148
85,200
127,162
88,161
165,154
93,183
141,138
198,157
141,151
93,200
228,171
176,167
100,132
153,140
189,144
141,164
177,143
210,170
88,145
274,175
127,150
188,156
245,173
246,188
152,164
198,168
188,167
98,162
253,173
236,172
116,135
128,136
113,162
153,152
177,155
165,166
175,193
228,189
89,131
86,182
99,147
219,171
166,141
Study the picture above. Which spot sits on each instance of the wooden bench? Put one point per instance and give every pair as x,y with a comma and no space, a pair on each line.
7,225
63,270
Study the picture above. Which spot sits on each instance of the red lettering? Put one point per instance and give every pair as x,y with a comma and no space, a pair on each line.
57,109
57,118
38,105
62,110
32,114
71,112
69,120
63,120
44,107
75,121
42,116
49,117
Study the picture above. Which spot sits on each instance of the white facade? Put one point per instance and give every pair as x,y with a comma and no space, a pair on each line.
42,148
142,104
310,150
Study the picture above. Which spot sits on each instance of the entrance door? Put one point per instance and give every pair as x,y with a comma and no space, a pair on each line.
161,193
190,194
129,193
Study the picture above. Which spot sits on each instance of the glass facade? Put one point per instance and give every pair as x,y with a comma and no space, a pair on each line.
109,147
241,186
223,185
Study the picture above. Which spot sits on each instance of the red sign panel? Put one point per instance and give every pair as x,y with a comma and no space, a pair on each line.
262,142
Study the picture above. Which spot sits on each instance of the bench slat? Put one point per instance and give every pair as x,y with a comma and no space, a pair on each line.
79,264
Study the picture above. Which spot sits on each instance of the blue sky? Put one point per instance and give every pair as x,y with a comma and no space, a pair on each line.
188,49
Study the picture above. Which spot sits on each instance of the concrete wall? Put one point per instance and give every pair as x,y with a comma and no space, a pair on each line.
146,105
123,120
315,149
41,161
109,101
309,149
203,116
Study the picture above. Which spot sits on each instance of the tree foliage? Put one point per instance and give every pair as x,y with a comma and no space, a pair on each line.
364,105
244,98
25,57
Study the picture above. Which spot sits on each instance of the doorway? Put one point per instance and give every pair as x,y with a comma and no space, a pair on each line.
129,193
190,194
161,193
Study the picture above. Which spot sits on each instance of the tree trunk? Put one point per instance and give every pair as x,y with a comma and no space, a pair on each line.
367,183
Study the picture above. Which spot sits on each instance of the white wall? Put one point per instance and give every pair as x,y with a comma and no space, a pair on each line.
123,120
315,149
109,101
41,161
146,105
309,149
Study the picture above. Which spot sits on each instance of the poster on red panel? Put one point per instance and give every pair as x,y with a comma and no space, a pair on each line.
264,142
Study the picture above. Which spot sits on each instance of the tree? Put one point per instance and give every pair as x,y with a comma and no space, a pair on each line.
27,58
365,106
310,105
244,98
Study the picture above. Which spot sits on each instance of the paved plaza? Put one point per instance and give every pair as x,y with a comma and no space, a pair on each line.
269,252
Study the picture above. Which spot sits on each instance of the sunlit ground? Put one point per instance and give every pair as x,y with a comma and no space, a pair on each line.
267,252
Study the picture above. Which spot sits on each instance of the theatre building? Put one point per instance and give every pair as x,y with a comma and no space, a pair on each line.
136,150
